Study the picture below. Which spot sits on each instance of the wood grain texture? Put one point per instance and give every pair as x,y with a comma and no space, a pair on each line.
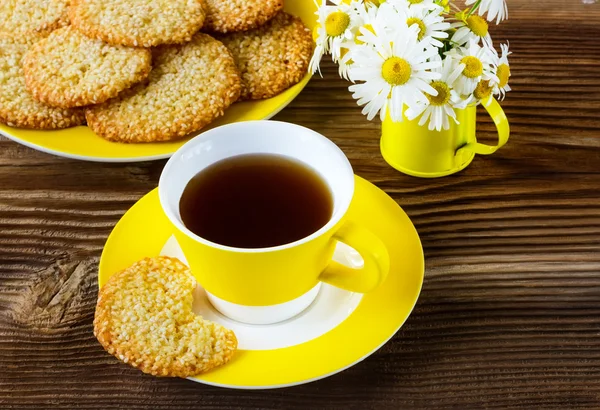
509,316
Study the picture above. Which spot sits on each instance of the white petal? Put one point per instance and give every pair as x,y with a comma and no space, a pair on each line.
426,115
414,111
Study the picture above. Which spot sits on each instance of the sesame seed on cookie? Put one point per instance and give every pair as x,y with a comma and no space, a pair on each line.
138,23
18,108
68,69
26,18
271,58
226,16
189,86
144,318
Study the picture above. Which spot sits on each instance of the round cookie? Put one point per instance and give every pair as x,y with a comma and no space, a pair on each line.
68,69
189,86
271,58
225,16
18,108
138,23
144,318
26,18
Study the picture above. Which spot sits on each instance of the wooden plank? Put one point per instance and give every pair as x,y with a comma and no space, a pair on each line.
509,315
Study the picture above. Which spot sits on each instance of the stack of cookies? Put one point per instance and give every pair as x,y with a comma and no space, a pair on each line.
143,70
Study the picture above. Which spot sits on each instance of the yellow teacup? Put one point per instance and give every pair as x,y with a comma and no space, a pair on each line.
267,285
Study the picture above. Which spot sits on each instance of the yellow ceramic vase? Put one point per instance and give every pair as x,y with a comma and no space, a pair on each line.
414,150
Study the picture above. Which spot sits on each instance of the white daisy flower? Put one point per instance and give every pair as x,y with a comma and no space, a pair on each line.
414,4
429,21
320,38
483,92
474,64
494,9
345,61
368,16
374,3
335,25
375,21
471,27
502,72
440,108
393,72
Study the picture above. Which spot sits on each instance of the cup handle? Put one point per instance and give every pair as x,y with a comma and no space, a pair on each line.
499,118
375,256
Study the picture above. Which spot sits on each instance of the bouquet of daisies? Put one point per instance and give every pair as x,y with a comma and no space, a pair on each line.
414,58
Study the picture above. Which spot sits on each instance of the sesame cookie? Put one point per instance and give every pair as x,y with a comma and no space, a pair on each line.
189,86
26,18
271,58
138,23
68,69
144,318
225,16
17,107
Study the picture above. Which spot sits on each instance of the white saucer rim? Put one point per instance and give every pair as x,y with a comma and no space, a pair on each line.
314,379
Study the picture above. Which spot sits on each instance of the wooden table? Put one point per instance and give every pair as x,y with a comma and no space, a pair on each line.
509,315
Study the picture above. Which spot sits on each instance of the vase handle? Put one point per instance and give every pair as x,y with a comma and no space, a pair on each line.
499,118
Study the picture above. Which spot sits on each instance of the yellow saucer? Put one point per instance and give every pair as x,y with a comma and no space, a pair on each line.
144,230
81,143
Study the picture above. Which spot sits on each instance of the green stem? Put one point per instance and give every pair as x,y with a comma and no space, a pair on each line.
474,8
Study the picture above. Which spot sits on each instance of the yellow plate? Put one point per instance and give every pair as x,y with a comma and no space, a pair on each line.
81,143
376,319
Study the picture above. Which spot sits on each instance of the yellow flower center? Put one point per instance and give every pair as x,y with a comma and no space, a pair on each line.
418,22
443,93
445,6
415,1
477,25
336,23
396,71
375,2
366,27
503,73
483,90
473,67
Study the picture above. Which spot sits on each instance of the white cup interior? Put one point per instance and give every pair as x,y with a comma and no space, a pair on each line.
257,137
